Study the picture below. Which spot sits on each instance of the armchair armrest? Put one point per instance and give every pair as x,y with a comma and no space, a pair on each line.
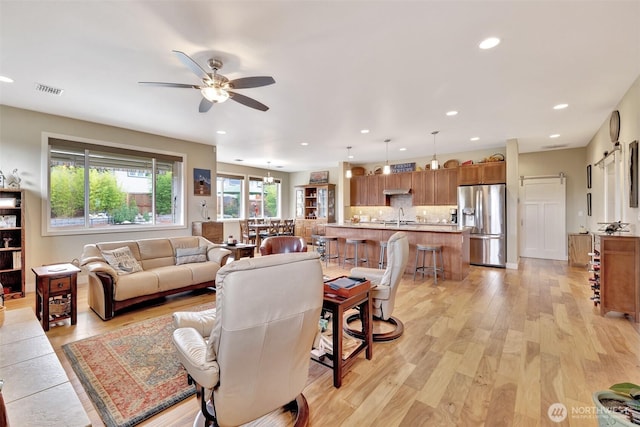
374,275
192,352
218,254
201,321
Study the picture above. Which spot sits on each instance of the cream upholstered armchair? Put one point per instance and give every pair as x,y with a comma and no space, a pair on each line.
250,355
384,287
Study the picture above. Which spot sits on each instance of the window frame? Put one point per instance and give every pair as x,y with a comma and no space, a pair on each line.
47,230
276,181
220,204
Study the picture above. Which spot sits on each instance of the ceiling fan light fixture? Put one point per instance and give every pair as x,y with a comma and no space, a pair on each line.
215,94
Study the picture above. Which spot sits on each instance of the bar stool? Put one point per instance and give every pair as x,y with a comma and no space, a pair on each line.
357,243
382,264
328,255
429,269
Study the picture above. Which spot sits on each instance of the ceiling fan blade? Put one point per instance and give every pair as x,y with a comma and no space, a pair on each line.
180,85
205,105
249,102
248,82
192,65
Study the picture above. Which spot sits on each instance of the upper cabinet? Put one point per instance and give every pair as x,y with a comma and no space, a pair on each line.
446,186
483,173
359,190
375,188
396,181
435,187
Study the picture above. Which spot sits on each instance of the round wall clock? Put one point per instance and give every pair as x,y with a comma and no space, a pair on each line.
614,126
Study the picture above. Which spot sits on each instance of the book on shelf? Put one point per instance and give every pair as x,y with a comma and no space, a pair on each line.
17,260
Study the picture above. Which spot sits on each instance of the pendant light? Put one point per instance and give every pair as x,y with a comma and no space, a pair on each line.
268,179
349,174
386,170
434,161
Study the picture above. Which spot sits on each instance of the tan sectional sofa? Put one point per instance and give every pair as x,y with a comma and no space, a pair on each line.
162,267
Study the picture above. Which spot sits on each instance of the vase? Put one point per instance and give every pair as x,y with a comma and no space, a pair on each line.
607,418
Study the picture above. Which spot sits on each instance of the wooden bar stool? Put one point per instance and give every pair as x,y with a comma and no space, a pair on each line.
358,245
429,269
382,263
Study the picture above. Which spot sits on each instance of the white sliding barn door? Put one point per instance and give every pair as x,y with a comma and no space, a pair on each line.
543,218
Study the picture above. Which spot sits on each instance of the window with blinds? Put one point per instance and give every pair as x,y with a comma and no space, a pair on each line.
94,186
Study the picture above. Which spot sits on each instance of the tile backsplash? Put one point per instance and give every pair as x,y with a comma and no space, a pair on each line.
427,214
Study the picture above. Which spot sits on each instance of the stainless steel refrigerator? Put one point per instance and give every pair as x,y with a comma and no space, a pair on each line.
482,208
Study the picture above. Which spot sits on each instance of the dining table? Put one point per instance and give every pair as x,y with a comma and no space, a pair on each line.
258,228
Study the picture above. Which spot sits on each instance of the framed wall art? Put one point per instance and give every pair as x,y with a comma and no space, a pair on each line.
588,204
201,182
321,177
633,174
588,176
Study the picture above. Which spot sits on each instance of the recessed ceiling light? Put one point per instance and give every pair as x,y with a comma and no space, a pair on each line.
6,79
555,135
238,160
560,106
452,113
475,138
364,131
221,132
489,43
402,149
304,144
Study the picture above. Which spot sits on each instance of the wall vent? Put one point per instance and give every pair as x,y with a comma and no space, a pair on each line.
48,89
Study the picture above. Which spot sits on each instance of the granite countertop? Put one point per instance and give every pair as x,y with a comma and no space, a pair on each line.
437,228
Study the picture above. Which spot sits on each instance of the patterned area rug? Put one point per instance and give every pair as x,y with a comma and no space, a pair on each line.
132,373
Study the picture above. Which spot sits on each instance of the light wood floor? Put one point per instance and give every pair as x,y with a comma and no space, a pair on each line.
495,349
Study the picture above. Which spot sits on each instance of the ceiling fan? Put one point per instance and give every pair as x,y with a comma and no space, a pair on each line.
216,88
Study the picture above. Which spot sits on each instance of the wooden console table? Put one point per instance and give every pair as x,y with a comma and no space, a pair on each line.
37,391
337,306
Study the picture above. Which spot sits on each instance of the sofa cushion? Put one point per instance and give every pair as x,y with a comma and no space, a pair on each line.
122,260
172,277
135,285
155,253
189,255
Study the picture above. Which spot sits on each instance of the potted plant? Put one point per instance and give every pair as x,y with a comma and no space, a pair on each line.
618,406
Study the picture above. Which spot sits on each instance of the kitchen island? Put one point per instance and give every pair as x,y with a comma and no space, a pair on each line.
454,241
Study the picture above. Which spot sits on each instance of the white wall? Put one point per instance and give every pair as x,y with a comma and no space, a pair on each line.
629,108
21,147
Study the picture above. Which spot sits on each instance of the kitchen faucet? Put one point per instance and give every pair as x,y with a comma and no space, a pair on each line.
400,211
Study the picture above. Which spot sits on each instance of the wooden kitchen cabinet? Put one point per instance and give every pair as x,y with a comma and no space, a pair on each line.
620,275
359,190
446,186
423,188
375,188
397,181
483,173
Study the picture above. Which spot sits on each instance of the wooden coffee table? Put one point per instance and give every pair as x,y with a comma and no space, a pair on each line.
240,250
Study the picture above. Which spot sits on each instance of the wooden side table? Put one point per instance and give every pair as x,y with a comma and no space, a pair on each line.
338,306
52,281
241,250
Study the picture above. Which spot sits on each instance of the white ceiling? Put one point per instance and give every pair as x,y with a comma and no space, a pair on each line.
393,67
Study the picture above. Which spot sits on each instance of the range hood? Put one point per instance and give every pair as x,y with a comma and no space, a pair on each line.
396,191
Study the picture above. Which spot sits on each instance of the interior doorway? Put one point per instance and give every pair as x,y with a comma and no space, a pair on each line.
543,217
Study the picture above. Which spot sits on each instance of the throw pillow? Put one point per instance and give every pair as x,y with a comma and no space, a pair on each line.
189,255
122,260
